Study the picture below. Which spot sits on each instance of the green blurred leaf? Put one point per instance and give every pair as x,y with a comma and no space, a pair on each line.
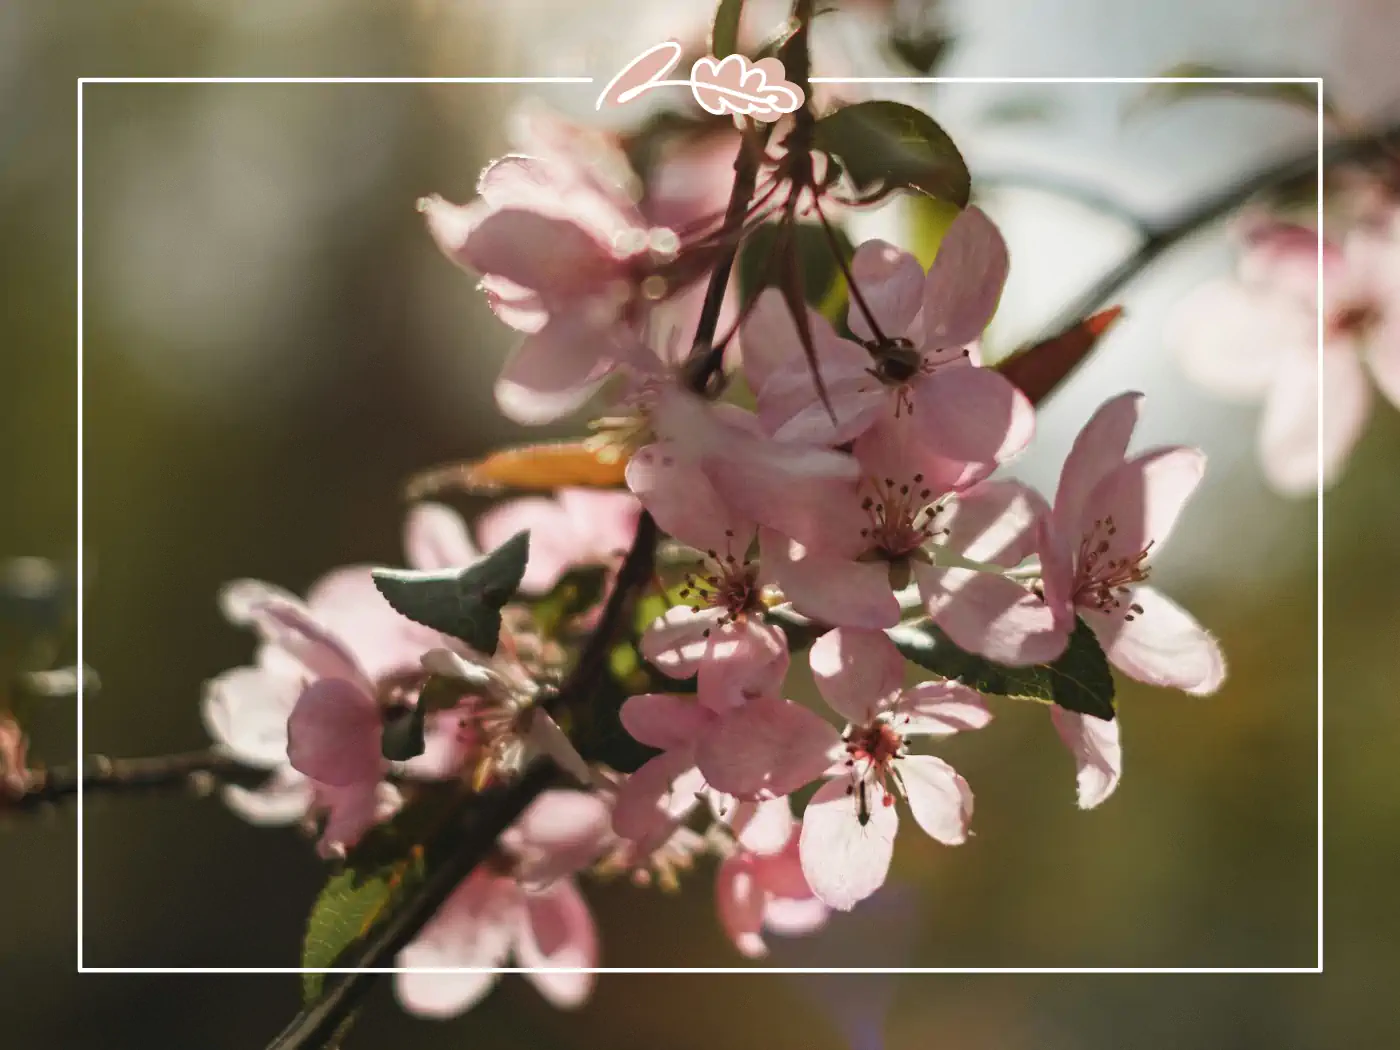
464,603
928,220
1080,680
724,36
402,738
352,903
1301,95
920,49
822,281
884,146
576,592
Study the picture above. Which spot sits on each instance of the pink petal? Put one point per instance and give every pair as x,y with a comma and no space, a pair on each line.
554,371
1288,440
334,732
604,522
283,799
770,746
350,811
770,338
939,709
474,928
436,537
559,833
1099,448
996,522
292,627
1098,756
891,282
559,932
450,225
940,800
1383,357
743,659
684,502
245,710
857,672
965,281
647,799
792,918
791,407
239,600
553,256
845,861
679,639
836,590
896,448
740,902
973,415
554,548
761,827
663,720
346,604
985,613
1144,498
450,740
1161,645
1231,339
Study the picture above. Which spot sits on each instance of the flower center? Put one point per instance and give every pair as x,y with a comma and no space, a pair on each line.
1354,320
903,517
871,752
1104,582
727,582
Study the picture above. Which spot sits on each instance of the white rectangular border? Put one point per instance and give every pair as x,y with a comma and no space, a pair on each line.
1321,121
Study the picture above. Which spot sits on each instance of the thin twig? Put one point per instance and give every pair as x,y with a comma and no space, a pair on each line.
101,774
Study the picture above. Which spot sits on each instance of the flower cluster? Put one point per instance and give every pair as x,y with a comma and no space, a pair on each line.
853,496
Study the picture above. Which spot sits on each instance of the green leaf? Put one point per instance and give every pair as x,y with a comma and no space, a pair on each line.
724,37
929,220
822,281
920,49
886,145
464,603
402,738
1080,680
382,867
1204,81
575,593
352,903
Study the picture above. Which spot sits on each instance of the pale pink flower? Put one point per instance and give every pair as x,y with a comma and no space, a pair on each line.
763,750
849,826
1254,337
566,257
758,892
911,519
352,647
578,527
532,911
1111,512
913,362
721,635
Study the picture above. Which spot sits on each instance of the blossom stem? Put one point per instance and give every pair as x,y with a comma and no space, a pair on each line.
111,775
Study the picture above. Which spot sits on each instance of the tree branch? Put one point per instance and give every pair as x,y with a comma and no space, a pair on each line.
110,775
1158,237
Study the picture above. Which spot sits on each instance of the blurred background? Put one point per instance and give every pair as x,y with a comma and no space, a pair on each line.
273,345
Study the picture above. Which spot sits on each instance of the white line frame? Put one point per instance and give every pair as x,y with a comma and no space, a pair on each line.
1321,128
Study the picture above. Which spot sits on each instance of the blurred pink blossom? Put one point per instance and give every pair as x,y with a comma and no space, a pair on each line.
1254,337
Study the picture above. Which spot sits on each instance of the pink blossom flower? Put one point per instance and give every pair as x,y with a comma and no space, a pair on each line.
722,636
1254,337
911,357
1111,511
347,648
912,518
566,257
531,910
849,826
763,750
578,527
755,892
